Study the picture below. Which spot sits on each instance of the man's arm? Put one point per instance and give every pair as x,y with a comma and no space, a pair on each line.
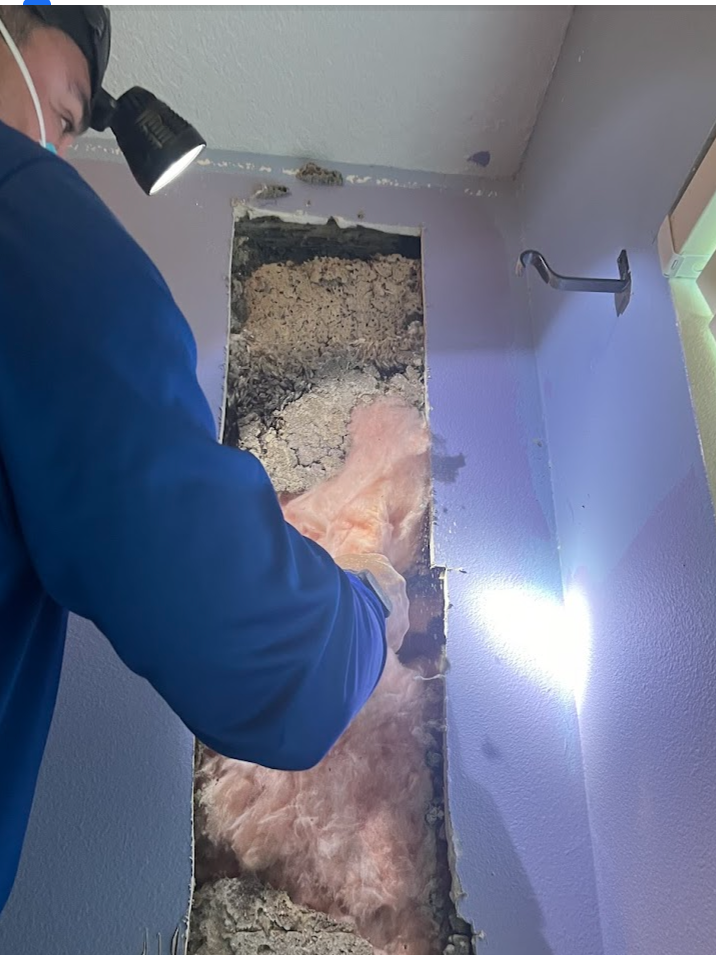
136,518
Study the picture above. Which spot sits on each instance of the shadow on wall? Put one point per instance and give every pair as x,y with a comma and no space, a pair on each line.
513,920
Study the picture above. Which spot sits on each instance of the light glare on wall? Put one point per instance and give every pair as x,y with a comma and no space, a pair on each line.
545,639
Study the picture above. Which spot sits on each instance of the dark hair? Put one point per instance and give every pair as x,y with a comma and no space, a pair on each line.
20,23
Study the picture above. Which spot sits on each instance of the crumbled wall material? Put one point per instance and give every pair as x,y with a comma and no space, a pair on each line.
244,917
306,441
269,191
317,339
316,175
300,325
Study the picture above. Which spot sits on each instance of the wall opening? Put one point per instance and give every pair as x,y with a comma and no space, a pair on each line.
353,856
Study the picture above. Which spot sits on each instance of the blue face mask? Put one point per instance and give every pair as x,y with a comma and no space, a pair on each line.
30,85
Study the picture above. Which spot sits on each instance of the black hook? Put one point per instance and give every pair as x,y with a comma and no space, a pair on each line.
620,288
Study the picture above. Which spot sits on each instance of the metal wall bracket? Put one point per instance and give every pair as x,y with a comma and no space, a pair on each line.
620,288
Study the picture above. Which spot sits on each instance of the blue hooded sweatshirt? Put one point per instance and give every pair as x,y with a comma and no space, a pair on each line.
117,503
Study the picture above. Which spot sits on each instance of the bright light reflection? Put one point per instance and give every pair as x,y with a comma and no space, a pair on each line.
175,169
545,639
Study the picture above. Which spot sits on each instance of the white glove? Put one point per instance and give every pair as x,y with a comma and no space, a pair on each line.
392,585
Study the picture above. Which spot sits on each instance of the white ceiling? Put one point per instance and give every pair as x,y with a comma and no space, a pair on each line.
419,88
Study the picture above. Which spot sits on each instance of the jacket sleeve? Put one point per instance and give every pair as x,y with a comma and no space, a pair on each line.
136,518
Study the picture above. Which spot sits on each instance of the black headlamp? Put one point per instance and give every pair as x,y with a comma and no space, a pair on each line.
156,142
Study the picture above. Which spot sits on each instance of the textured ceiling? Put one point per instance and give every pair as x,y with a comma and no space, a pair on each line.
420,88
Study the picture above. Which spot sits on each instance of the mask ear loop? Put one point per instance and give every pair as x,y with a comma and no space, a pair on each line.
28,79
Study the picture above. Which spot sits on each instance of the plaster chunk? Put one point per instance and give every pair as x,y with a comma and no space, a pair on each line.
244,917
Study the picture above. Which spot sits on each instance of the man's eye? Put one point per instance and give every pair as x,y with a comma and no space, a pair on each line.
67,126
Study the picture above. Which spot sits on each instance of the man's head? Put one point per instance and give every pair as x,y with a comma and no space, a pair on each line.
52,64
61,75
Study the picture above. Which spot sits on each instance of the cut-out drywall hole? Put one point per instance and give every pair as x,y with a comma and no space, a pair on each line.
326,320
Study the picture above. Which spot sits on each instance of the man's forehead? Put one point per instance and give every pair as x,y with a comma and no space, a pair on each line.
52,49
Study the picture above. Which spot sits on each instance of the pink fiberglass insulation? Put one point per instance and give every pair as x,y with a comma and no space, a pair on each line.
349,837
376,504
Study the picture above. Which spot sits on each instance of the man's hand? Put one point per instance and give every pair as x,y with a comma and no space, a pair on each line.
392,584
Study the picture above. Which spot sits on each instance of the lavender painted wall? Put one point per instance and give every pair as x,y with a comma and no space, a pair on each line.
516,791
517,797
630,107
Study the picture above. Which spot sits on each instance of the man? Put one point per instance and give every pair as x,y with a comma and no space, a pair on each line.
117,502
